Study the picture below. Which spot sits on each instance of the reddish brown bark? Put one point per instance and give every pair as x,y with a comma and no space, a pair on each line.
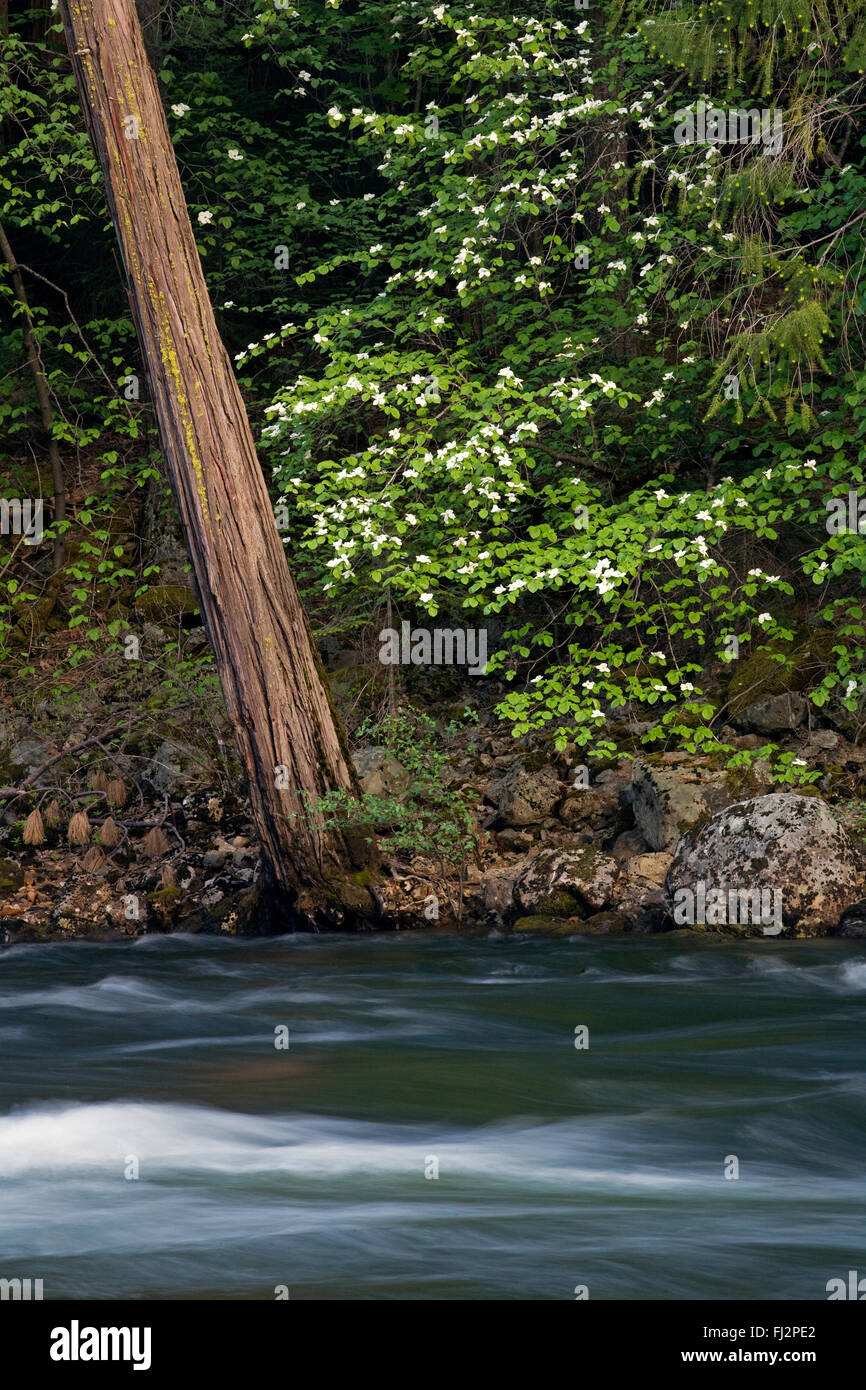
272,678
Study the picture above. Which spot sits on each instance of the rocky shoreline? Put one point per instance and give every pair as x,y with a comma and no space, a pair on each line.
565,848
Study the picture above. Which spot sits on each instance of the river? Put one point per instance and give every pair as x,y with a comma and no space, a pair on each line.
158,1139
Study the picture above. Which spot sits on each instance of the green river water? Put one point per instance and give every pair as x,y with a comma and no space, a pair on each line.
313,1166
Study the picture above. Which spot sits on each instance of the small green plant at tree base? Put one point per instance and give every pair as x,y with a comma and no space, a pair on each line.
430,818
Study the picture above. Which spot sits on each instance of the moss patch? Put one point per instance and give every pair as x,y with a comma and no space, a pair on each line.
551,926
778,668
166,601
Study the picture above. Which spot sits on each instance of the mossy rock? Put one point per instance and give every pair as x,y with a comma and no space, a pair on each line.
611,764
834,778
165,602
559,904
742,783
546,926
34,620
11,878
348,684
365,878
763,674
455,713
690,718
606,924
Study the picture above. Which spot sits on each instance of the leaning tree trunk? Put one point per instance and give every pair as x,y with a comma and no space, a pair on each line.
271,675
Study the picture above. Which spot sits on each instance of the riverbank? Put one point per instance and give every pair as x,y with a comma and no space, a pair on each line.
124,818
561,846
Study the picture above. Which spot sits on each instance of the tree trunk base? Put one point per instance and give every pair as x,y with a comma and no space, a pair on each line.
342,902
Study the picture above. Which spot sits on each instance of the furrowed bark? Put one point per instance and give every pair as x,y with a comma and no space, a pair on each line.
271,675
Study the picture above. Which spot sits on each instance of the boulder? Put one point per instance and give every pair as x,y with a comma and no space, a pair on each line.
594,808
826,739
514,841
180,768
643,902
779,667
652,867
666,804
777,715
784,846
380,773
599,924
167,603
672,793
28,754
497,887
627,845
566,882
547,926
527,796
604,924
852,923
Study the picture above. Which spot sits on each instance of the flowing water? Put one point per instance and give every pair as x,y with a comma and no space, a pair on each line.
312,1166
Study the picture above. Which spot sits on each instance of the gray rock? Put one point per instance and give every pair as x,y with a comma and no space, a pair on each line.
497,889
380,773
560,881
652,867
547,926
784,844
825,738
527,797
642,901
628,844
777,715
180,767
665,805
492,792
852,923
515,841
28,754
605,924
595,808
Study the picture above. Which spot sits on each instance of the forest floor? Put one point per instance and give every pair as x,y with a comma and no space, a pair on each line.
560,846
